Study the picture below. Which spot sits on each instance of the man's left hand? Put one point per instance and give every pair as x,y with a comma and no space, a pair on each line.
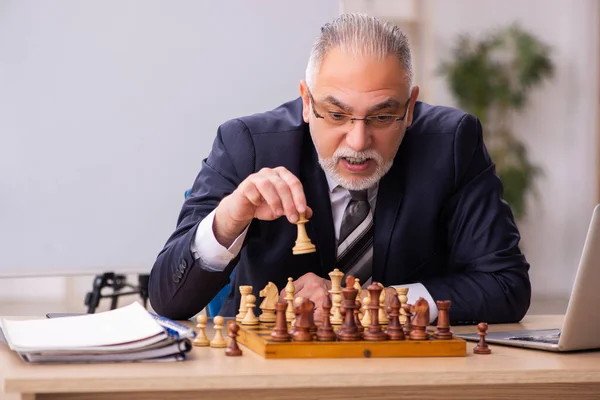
314,288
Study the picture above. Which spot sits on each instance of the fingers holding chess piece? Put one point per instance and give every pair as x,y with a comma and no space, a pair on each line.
482,347
201,339
303,243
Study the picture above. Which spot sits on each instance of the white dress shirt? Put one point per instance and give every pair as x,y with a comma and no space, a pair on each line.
213,256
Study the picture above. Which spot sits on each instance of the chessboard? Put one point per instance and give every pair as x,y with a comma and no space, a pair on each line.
258,339
379,324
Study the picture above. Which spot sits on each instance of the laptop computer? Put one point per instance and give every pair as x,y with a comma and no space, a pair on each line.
581,326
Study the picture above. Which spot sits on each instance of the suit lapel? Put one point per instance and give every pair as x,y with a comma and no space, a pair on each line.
389,199
320,226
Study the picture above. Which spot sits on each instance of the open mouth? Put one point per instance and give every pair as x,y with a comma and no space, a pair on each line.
356,164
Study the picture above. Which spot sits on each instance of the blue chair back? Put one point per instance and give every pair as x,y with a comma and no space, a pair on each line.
216,303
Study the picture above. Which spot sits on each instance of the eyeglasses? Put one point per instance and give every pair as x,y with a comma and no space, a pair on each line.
378,122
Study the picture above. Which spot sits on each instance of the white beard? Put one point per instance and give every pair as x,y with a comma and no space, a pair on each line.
329,165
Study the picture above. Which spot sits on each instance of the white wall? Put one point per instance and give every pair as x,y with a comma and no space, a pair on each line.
560,127
107,108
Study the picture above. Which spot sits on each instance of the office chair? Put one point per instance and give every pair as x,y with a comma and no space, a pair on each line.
213,308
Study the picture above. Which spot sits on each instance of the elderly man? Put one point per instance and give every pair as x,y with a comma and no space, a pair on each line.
396,191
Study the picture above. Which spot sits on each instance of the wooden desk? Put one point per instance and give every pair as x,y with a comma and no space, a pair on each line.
506,373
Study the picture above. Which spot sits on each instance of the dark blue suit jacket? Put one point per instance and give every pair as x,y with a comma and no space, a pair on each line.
440,219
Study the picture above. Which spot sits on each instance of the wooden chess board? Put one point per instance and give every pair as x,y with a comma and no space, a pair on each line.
257,339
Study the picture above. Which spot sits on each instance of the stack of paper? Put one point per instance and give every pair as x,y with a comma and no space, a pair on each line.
129,333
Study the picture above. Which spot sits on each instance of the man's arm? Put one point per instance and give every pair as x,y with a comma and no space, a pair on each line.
181,284
488,278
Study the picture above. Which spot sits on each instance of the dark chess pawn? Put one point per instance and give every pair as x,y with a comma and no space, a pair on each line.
233,349
482,347
325,331
394,329
359,325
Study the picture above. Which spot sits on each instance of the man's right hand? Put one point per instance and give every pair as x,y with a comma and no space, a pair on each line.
265,195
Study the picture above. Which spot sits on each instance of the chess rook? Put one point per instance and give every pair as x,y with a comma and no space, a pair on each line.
244,290
443,325
280,332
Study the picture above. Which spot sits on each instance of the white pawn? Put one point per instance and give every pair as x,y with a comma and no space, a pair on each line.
366,321
250,317
383,319
290,291
201,339
218,341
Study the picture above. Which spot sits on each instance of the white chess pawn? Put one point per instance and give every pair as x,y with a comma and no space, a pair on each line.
218,341
201,339
290,291
250,317
366,320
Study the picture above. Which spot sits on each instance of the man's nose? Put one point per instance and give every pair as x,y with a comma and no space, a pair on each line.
358,138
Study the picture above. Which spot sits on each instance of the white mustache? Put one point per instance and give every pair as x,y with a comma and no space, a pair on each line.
349,153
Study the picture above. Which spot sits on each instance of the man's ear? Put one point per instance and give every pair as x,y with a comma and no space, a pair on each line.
414,95
305,101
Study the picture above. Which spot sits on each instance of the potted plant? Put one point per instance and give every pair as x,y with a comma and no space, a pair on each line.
492,77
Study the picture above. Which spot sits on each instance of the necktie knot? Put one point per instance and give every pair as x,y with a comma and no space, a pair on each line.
359,195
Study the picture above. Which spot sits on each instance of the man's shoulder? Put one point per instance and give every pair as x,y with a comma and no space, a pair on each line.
286,117
437,119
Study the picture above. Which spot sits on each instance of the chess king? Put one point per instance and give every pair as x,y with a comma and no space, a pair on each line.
393,190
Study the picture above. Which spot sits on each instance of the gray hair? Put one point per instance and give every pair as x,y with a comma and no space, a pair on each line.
360,34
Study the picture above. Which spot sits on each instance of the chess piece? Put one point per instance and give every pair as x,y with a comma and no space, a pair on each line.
419,320
302,324
442,331
233,349
303,243
271,296
218,341
244,290
359,325
383,319
402,296
280,332
366,320
373,331
358,296
325,332
394,329
290,291
250,317
349,330
482,347
336,289
201,339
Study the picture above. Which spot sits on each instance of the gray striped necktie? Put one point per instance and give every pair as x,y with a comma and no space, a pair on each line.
355,245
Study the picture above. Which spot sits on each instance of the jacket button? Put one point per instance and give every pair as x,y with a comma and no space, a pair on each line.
176,278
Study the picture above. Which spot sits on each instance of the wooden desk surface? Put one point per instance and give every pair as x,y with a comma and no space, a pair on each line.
506,372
